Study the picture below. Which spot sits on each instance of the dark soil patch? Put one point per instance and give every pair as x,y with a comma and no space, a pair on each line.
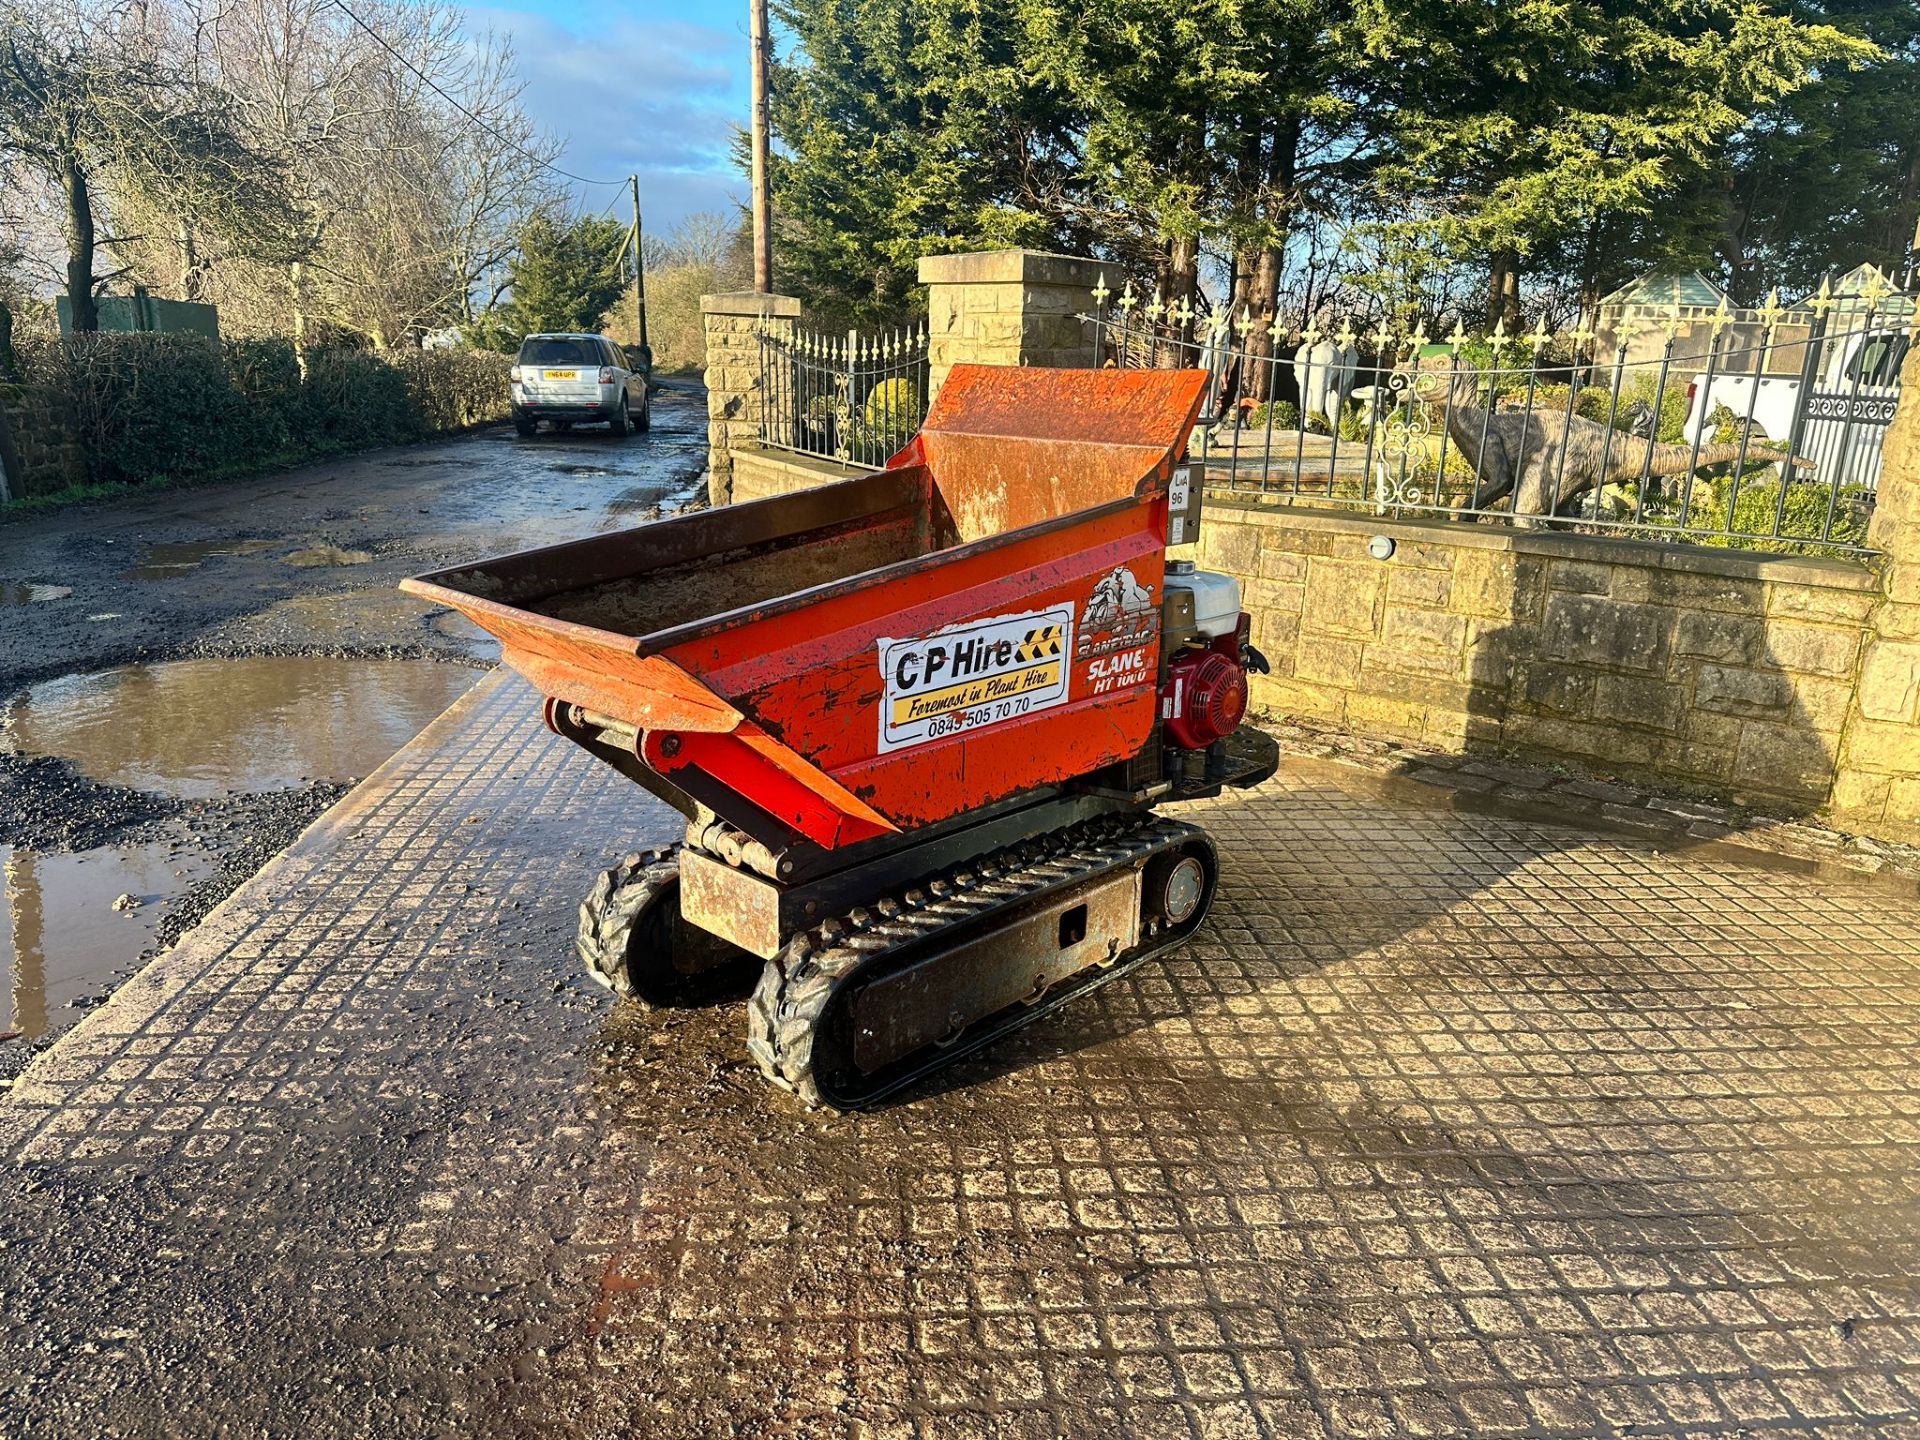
46,804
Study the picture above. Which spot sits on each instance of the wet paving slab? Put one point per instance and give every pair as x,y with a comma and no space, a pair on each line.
1446,1124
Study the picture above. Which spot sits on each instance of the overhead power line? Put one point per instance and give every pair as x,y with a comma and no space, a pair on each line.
429,82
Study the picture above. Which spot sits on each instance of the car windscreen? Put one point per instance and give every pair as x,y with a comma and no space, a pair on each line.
559,352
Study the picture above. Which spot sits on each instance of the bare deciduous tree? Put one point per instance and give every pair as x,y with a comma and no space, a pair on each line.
92,110
313,170
410,159
706,237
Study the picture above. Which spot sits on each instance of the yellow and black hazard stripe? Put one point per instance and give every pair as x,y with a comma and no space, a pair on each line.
1042,643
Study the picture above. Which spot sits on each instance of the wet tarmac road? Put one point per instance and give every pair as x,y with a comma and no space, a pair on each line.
1446,1124
188,678
238,568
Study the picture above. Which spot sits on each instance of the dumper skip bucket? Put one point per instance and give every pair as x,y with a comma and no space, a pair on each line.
978,620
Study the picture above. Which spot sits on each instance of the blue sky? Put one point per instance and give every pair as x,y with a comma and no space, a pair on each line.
647,86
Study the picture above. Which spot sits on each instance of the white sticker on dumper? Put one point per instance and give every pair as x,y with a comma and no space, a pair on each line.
973,675
1179,501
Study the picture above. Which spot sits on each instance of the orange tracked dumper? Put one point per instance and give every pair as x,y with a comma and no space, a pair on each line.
917,722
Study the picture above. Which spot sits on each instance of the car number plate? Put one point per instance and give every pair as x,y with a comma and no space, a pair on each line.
560,374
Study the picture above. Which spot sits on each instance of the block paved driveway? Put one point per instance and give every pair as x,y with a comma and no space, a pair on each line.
1448,1124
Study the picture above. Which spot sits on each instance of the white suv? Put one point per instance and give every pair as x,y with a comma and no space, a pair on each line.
573,378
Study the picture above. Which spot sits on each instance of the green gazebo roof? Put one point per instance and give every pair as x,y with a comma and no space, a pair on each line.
1692,288
1869,284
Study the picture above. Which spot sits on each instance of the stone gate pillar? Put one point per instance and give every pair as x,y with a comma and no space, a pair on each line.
1007,307
733,322
1877,788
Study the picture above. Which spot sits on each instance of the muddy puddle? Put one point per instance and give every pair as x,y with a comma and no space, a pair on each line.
368,619
316,557
168,561
452,625
28,592
639,502
62,935
199,729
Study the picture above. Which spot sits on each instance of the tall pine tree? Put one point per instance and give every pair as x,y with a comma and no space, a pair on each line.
910,127
1576,141
565,277
1829,176
1554,128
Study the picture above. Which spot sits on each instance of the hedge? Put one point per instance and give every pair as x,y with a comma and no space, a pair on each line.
150,407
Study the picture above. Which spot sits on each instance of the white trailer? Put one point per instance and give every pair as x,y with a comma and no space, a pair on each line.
1837,419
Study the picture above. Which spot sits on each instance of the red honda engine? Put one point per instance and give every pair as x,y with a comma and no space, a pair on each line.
1205,696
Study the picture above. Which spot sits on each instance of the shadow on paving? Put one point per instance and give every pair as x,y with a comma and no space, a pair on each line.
1446,1123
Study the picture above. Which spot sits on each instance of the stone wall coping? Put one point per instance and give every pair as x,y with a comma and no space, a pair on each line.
814,468
1005,267
1650,554
749,302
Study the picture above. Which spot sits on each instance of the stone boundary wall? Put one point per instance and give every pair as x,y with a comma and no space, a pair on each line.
1717,672
1722,672
1880,765
733,322
759,473
37,447
1781,681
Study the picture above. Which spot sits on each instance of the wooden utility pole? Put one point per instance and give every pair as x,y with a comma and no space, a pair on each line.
762,210
639,266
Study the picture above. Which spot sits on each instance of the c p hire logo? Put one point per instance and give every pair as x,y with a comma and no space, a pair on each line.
972,675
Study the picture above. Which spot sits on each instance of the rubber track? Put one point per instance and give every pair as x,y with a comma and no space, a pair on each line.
608,913
787,1006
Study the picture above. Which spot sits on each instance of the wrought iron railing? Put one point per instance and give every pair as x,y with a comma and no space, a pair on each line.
1769,440
854,398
